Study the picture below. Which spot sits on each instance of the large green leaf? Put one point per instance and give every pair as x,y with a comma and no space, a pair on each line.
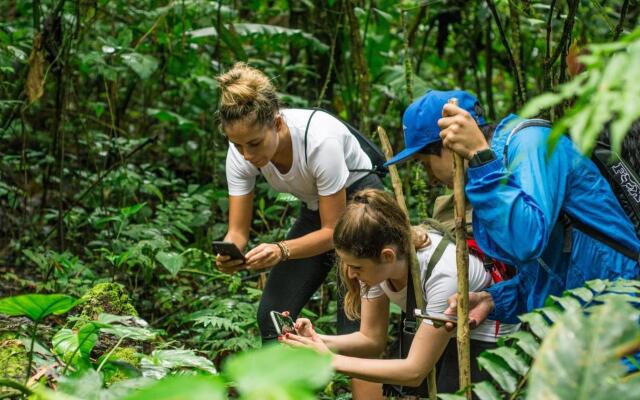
172,261
36,306
577,359
276,372
126,326
499,371
161,362
183,387
75,346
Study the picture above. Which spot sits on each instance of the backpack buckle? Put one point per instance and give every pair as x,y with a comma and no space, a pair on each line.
409,326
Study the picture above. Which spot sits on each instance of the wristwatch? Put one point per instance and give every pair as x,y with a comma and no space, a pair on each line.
482,157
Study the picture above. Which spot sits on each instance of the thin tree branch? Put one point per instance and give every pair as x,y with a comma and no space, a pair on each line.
505,43
623,16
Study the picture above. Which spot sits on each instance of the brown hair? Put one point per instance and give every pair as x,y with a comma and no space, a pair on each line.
246,94
372,221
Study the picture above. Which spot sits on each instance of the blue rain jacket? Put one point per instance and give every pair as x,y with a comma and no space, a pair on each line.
516,204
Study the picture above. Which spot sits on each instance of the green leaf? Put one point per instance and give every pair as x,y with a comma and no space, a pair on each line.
486,391
568,303
526,342
37,306
451,397
553,313
582,293
230,38
499,371
126,326
273,371
141,64
75,346
86,386
577,359
39,259
173,262
515,361
183,387
597,285
287,198
132,210
161,362
537,323
535,105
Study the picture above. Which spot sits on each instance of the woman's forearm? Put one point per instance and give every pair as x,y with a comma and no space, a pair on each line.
397,372
311,244
354,344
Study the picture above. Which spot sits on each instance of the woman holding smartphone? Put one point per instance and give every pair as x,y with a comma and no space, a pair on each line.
307,153
372,240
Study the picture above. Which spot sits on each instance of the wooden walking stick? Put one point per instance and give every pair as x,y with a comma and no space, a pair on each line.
414,267
462,262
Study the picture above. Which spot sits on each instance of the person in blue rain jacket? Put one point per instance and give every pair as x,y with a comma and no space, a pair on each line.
520,193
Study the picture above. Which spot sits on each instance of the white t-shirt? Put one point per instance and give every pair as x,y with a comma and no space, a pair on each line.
443,283
331,152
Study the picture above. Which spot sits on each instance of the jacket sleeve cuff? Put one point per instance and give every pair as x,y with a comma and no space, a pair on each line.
504,306
485,169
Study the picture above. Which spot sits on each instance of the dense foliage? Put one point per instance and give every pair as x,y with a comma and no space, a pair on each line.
112,165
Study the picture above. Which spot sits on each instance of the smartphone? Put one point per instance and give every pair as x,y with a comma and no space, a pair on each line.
228,249
283,323
436,317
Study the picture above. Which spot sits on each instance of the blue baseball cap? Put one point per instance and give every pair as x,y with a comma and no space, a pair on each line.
420,120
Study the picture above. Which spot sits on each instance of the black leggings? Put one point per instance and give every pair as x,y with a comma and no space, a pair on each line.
292,283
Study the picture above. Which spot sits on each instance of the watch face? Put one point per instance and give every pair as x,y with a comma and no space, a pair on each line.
482,157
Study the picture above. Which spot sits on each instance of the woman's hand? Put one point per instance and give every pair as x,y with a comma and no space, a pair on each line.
304,327
311,342
419,237
263,256
227,265
480,305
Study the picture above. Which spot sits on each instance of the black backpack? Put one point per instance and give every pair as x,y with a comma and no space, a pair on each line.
373,152
624,182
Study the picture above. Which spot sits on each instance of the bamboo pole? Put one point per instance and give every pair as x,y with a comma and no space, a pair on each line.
462,263
414,267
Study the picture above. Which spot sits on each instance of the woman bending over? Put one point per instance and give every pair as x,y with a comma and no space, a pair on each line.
372,240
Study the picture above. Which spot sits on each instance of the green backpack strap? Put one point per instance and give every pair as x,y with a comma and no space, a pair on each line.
436,256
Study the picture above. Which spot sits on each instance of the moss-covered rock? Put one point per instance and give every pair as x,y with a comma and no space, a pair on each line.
105,297
127,354
13,361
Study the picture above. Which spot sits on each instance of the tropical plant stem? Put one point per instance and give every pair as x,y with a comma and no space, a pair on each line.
33,342
106,358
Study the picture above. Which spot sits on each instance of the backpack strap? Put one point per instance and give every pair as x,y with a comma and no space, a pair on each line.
377,160
410,319
527,123
595,234
436,256
306,132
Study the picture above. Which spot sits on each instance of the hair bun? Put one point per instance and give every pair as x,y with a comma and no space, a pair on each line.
246,92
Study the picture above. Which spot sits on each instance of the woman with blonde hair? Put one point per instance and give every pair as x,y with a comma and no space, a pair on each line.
308,153
372,240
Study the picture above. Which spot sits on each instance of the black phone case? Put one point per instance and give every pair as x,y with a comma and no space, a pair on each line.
228,249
